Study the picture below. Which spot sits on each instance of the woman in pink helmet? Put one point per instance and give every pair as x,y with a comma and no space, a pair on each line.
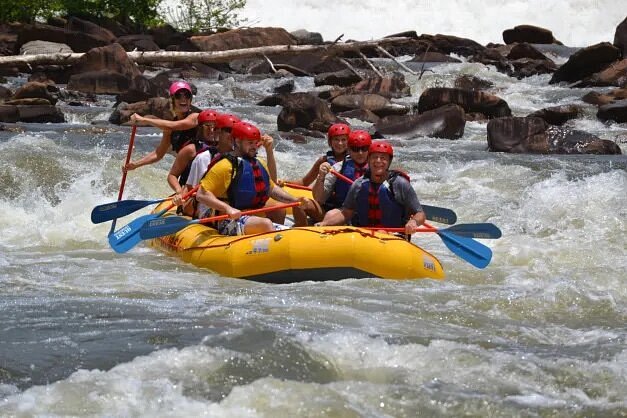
177,133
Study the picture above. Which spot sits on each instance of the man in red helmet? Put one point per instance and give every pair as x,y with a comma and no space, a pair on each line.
337,138
240,181
381,198
328,190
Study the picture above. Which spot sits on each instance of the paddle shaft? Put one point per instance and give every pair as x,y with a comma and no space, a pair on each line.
123,181
296,186
246,212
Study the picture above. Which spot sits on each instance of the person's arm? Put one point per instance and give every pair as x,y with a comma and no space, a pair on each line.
313,172
153,156
209,199
181,161
270,160
191,121
409,199
318,189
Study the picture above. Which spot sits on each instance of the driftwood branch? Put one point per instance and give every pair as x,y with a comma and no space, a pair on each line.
350,67
371,65
400,64
270,63
149,57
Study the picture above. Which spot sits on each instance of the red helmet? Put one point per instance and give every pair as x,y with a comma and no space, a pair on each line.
359,139
382,147
207,116
179,85
226,120
245,131
338,129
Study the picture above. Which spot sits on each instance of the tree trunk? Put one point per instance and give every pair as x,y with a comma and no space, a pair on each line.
150,57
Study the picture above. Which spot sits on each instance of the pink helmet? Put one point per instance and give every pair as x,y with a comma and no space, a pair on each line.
207,115
338,129
226,120
179,85
246,131
359,139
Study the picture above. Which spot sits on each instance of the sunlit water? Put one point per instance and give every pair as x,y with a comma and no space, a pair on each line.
539,332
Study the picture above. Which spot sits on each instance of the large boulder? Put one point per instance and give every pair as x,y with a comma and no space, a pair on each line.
77,41
158,107
586,62
616,111
444,122
340,78
9,113
303,110
530,34
599,99
377,104
535,136
471,101
620,37
38,90
558,115
614,75
138,42
243,38
40,114
389,86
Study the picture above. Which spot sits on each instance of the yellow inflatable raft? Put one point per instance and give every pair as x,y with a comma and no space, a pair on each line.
301,254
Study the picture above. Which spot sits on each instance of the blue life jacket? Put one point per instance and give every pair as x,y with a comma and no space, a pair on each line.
247,190
376,205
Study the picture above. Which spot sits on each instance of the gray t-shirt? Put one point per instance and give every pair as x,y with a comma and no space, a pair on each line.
404,194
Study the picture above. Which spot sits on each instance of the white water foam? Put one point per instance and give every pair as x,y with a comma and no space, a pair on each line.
573,22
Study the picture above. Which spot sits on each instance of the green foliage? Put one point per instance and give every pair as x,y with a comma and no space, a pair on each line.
138,12
205,15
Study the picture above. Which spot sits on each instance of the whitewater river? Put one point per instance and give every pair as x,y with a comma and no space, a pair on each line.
540,332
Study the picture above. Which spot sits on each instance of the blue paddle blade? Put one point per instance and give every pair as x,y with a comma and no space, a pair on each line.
440,215
468,249
478,231
114,210
127,237
164,226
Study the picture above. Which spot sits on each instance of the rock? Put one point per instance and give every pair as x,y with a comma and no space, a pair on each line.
285,86
158,107
361,114
530,34
44,47
557,115
596,98
5,93
389,86
306,111
40,114
533,135
304,37
341,78
614,75
9,113
527,67
444,122
77,41
616,111
138,42
243,38
470,82
471,101
586,62
524,50
8,40
620,37
377,104
28,102
166,36
35,89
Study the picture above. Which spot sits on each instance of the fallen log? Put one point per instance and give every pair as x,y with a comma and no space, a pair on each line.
150,57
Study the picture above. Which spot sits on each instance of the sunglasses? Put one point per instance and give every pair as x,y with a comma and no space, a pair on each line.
181,94
359,149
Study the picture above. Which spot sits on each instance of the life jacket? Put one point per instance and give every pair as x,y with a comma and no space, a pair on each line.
250,182
376,205
340,189
329,157
179,139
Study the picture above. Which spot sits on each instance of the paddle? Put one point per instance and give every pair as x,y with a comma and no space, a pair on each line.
169,225
123,181
127,237
478,230
468,249
113,210
296,186
433,213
